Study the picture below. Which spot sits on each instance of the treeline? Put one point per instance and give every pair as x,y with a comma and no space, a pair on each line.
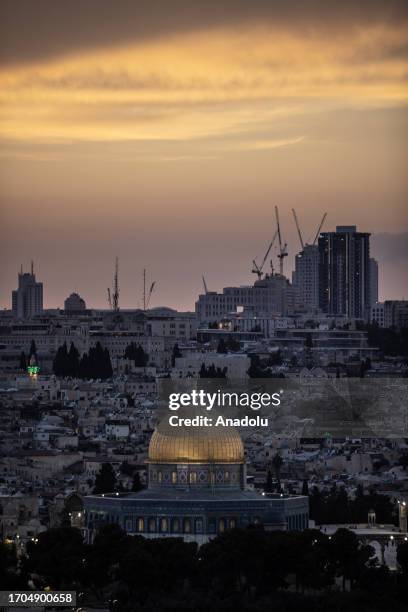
249,570
137,354
212,372
92,365
335,506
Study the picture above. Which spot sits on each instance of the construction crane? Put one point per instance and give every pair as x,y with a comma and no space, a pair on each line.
282,247
298,229
204,285
320,227
258,269
147,295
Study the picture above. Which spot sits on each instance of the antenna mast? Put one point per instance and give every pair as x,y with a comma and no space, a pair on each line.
115,295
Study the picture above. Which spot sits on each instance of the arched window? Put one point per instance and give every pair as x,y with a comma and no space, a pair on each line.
164,525
193,477
140,524
176,525
187,525
174,477
152,525
159,476
232,523
227,476
221,525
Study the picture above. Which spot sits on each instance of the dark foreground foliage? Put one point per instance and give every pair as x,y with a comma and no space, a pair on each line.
249,570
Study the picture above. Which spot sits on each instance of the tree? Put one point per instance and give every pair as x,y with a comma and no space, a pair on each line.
269,482
349,556
232,344
126,469
137,354
176,354
308,341
105,481
33,349
255,369
61,360
222,347
73,361
137,484
23,361
277,462
402,557
109,546
57,557
96,363
8,567
275,358
212,371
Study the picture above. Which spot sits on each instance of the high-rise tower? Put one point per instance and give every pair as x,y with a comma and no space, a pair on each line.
344,272
27,300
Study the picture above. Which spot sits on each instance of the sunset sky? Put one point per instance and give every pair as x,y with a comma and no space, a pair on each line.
166,132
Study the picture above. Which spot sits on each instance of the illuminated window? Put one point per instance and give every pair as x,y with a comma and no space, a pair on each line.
163,524
176,525
159,476
152,525
226,476
221,525
140,524
174,477
193,477
232,523
187,525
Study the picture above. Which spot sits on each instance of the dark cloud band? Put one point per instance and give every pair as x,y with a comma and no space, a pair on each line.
34,30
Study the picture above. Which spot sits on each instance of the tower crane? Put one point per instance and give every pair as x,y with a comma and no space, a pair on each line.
282,247
320,227
147,295
298,229
204,285
258,269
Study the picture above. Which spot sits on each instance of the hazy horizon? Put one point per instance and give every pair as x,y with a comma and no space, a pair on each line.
165,135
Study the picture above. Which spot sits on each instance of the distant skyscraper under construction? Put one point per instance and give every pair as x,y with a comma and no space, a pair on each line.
27,300
344,272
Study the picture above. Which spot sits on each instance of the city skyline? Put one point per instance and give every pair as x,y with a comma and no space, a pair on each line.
152,301
166,138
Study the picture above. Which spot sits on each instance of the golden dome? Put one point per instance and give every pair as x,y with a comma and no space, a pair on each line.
195,445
